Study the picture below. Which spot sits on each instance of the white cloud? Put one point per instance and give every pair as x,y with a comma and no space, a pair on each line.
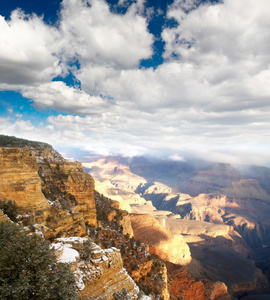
27,48
176,157
210,96
58,96
96,36
69,130
227,43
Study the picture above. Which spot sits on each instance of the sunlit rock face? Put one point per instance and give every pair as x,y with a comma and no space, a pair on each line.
101,275
116,181
68,184
48,190
169,247
21,183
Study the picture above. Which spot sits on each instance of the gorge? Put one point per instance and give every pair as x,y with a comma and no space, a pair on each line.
138,228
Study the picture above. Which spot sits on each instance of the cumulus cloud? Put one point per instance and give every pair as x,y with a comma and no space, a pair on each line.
58,96
227,44
210,95
27,48
96,36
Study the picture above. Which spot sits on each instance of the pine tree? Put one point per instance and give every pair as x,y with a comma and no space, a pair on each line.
29,269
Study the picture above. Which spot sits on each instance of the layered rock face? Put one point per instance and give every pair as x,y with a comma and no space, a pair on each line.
169,247
213,207
116,181
68,185
99,276
105,275
21,183
28,174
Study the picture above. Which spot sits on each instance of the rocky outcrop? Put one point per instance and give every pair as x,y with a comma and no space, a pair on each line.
21,183
123,220
116,181
183,286
104,275
146,268
169,247
66,184
48,190
109,211
101,274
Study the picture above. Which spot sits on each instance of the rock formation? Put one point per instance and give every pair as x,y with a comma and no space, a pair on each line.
48,189
21,183
169,247
184,286
56,198
213,206
116,181
101,274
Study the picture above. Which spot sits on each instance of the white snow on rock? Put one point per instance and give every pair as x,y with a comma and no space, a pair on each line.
79,279
67,254
72,239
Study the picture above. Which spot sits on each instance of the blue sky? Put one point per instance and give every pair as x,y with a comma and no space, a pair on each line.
164,78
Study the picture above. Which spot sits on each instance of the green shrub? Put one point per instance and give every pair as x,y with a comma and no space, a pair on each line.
29,270
9,208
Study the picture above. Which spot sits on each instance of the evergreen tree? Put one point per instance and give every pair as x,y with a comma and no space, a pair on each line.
29,270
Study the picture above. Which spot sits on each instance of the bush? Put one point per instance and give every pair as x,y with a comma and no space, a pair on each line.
29,270
87,248
9,208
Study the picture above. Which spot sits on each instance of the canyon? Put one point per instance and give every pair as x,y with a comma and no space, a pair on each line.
132,227
221,215
55,199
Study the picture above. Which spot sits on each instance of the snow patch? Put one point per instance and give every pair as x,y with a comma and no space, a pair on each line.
145,298
68,255
72,239
79,279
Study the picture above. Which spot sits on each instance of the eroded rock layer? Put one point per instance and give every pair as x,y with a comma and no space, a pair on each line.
99,272
169,247
48,190
21,183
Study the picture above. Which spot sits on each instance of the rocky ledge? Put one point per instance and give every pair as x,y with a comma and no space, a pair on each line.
99,272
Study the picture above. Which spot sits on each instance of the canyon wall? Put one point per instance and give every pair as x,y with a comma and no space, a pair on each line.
21,183
167,246
99,272
48,190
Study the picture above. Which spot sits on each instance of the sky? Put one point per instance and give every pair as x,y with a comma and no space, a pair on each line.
146,77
